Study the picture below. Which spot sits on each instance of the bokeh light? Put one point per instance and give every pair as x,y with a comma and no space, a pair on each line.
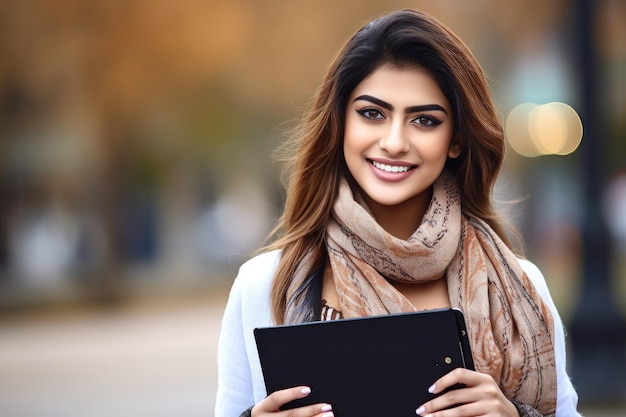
543,129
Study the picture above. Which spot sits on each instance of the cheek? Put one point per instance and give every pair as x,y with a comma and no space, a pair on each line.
436,147
358,135
350,138
351,151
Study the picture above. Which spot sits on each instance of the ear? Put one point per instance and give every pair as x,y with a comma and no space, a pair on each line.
455,149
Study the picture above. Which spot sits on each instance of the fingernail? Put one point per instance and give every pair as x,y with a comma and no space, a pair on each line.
420,410
327,407
305,391
432,388
328,415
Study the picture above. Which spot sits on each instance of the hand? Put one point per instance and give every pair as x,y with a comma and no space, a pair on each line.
270,406
479,396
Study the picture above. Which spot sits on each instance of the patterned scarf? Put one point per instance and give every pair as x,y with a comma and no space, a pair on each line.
510,327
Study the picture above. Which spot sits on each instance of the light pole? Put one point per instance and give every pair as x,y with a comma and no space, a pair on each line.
597,330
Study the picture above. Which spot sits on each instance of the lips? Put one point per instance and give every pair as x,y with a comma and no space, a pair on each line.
391,170
391,166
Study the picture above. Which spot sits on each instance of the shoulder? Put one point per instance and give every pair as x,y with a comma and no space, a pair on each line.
266,259
252,286
259,270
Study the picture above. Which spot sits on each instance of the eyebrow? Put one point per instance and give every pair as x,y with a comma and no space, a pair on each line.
408,110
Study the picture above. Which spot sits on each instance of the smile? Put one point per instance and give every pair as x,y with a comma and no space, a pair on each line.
390,168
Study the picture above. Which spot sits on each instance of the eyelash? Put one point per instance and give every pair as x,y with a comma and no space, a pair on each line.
364,112
430,120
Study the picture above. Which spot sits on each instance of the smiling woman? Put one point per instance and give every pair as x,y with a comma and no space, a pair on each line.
398,137
389,210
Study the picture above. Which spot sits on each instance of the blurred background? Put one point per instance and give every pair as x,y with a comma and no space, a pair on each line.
136,175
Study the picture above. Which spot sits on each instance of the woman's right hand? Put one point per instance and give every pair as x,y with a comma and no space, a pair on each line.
270,406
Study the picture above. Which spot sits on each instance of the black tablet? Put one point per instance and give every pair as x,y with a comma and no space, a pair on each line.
369,366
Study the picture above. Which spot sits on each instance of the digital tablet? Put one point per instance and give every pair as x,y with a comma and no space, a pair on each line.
369,366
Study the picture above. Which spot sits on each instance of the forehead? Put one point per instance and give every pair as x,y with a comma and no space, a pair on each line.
402,86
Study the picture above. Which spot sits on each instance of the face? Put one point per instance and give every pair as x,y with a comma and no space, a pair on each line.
398,136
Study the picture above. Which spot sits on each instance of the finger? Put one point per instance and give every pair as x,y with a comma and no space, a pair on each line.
458,376
273,402
472,387
316,410
471,409
451,399
324,410
277,399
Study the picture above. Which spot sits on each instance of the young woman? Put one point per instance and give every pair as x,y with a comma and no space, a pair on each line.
389,210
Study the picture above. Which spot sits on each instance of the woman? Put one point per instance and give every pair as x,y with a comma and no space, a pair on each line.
389,210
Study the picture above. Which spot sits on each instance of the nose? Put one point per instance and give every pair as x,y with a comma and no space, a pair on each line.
395,141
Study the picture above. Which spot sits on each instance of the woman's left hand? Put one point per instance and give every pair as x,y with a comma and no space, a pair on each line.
479,396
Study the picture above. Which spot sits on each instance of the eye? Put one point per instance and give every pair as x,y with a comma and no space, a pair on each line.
371,113
426,121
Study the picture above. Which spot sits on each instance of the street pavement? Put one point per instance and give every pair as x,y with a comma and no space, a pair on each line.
151,357
148,358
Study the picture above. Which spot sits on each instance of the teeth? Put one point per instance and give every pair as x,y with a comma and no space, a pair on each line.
390,168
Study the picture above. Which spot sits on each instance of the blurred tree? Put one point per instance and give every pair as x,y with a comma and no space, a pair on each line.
105,65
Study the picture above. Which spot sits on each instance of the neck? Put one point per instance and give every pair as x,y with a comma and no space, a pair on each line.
401,220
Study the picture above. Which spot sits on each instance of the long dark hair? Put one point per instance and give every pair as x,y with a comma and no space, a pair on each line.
402,38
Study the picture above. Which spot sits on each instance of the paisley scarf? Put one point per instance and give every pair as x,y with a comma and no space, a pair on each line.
510,327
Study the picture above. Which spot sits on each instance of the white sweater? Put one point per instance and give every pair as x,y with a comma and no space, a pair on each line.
240,379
